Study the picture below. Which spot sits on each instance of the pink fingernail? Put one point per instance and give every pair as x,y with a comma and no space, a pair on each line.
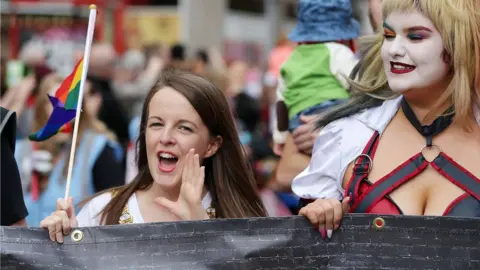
323,232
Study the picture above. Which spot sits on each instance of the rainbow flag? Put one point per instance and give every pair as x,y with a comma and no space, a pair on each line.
64,106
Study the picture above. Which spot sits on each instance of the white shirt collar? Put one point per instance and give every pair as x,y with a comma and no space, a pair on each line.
379,117
134,209
207,200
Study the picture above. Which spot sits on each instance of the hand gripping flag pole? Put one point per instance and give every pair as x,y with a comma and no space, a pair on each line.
86,59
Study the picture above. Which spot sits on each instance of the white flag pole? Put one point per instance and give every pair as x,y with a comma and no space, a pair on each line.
86,60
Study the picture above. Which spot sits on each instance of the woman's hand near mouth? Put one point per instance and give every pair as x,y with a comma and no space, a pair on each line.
189,204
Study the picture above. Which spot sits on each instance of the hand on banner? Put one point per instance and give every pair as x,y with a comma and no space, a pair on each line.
189,204
61,222
326,214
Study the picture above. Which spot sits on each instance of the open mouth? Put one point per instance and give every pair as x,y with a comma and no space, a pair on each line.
400,68
167,162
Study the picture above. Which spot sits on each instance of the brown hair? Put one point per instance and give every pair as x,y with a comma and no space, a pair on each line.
228,176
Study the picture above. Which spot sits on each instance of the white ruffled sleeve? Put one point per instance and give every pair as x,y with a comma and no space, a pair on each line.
332,153
90,215
336,147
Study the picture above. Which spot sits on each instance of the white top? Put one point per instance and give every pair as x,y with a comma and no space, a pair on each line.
90,214
342,62
337,146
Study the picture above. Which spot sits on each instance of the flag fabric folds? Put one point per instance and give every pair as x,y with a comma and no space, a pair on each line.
64,106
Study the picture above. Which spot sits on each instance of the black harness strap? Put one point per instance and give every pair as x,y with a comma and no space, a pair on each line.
428,131
410,168
445,165
390,182
456,174
361,169
467,207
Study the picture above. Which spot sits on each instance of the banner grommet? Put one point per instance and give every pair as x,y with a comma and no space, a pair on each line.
378,223
77,235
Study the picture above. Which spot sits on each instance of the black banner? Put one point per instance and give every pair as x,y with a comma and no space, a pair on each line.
363,242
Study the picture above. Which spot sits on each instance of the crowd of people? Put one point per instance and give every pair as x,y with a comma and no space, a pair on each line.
166,137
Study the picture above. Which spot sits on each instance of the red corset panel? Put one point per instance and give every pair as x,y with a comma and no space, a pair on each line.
373,198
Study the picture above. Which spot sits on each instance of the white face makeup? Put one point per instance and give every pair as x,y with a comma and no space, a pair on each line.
412,52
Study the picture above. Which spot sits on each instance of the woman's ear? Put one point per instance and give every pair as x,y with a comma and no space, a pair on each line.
213,146
446,57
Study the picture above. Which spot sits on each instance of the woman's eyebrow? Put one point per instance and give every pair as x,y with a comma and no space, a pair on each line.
179,121
409,29
417,28
154,118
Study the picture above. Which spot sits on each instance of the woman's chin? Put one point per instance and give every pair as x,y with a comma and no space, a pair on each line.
166,181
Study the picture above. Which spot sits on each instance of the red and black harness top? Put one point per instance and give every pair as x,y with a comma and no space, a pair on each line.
366,197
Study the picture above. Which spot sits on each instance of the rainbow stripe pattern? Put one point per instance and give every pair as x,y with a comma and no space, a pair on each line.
64,106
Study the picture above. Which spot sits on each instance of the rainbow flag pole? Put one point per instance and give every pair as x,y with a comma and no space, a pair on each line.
67,101
86,59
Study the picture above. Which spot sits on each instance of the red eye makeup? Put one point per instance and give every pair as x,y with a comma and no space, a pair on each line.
388,31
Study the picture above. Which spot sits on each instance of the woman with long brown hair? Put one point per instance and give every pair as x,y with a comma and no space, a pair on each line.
190,164
43,165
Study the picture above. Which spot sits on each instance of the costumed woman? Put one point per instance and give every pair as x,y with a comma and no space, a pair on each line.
408,143
190,164
43,165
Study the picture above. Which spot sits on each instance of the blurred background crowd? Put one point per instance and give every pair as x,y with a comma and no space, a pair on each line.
239,45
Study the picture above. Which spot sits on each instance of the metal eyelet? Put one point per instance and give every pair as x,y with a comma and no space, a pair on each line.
77,235
430,147
378,223
370,161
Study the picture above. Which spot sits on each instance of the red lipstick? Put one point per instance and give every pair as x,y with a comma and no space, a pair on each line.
400,68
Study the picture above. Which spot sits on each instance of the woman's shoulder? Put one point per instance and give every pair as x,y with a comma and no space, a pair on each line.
338,143
378,118
336,146
341,135
371,119
346,134
90,215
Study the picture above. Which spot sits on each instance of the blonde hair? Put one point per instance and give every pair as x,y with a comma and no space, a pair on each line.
459,25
